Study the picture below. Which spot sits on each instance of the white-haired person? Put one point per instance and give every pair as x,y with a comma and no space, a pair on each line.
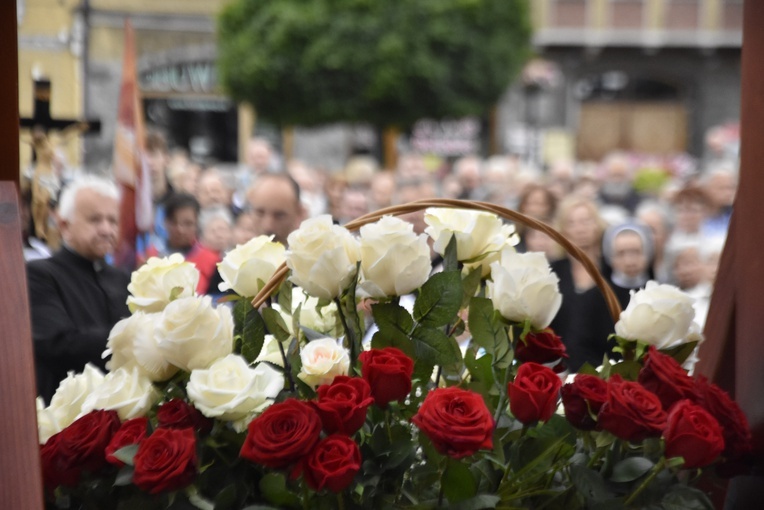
75,296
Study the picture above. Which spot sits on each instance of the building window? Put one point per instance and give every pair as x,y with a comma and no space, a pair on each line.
682,14
732,15
569,14
627,13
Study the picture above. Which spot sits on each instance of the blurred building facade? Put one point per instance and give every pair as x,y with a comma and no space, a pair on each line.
637,75
642,75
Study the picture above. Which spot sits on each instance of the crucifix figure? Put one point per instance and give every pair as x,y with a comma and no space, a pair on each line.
45,179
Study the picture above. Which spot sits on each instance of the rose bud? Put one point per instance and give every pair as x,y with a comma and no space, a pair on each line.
534,392
388,371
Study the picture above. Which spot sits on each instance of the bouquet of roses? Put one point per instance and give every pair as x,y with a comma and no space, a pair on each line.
366,380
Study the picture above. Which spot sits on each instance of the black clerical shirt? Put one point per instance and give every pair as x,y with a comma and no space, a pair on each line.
74,303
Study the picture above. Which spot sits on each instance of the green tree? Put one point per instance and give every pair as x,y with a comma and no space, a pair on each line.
387,62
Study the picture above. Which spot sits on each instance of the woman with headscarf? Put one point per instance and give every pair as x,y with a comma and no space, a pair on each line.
628,249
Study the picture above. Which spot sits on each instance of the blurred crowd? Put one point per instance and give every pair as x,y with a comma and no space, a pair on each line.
638,219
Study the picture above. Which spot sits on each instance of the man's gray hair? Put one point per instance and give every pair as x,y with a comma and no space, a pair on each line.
99,185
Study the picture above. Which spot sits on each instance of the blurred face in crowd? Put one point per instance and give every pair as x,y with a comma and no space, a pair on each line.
157,160
259,155
581,227
537,204
92,231
538,241
382,189
217,234
654,221
354,204
244,229
690,216
629,255
181,229
688,268
211,191
468,173
275,208
721,189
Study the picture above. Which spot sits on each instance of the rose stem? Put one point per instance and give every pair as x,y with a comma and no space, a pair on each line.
653,473
287,366
348,334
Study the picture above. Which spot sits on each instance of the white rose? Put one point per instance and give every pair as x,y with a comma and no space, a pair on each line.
270,351
132,343
324,321
477,232
160,279
322,360
322,257
485,262
524,287
394,260
47,422
658,315
66,404
232,391
193,334
246,268
128,392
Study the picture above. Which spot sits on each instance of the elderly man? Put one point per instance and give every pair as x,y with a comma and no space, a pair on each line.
75,296
276,206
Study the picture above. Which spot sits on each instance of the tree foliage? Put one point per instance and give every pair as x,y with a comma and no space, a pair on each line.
388,62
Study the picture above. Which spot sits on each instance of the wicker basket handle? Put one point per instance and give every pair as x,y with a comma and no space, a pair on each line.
612,301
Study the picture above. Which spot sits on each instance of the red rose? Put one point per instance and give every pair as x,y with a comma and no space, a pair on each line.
131,432
342,405
541,347
178,414
166,461
631,412
692,433
457,421
77,449
737,433
332,464
283,434
582,400
665,377
533,394
388,371
57,469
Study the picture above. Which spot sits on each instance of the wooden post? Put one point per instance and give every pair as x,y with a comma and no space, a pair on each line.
733,353
20,477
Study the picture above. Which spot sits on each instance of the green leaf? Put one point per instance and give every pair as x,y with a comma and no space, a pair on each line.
629,369
126,454
681,352
489,332
630,469
432,346
275,324
439,299
124,476
450,259
458,482
240,309
589,483
226,498
681,497
479,502
274,489
470,284
285,297
395,324
252,336
481,374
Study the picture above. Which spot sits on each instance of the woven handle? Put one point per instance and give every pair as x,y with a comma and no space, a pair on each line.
612,301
